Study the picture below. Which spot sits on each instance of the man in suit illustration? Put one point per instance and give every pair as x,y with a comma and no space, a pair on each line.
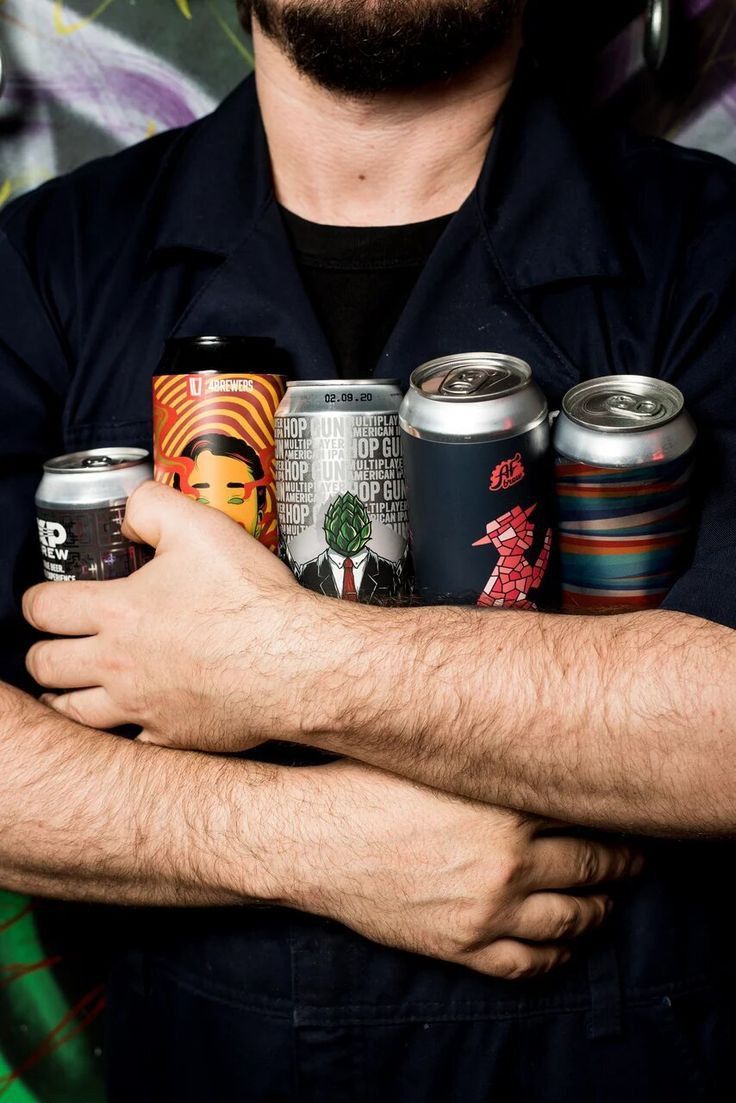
348,568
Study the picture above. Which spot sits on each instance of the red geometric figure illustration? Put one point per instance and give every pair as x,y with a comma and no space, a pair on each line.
513,577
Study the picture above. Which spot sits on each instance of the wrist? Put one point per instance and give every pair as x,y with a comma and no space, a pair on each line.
243,848
368,688
285,821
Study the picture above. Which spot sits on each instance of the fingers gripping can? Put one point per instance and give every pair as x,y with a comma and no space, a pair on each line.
80,506
624,447
214,403
476,446
340,488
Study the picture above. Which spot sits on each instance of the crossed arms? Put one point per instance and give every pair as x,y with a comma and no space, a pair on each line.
623,722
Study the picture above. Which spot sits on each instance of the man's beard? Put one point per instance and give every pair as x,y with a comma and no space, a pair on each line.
359,47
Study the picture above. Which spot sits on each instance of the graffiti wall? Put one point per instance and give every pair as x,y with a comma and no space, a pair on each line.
84,79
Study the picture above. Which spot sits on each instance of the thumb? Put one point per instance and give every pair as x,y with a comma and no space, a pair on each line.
157,514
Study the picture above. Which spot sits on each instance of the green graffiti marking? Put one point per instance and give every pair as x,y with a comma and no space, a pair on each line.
46,1032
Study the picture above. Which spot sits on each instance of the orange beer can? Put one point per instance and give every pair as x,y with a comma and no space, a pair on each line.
214,405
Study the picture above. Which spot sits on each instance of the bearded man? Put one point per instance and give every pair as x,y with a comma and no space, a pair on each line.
394,184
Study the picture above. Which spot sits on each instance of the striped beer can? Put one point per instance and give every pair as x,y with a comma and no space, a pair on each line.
214,405
624,458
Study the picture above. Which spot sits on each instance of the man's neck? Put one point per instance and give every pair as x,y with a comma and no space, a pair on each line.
390,159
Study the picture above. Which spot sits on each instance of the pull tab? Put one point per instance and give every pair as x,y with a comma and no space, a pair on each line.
99,461
468,381
637,407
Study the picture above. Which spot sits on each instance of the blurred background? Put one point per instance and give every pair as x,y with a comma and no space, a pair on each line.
85,78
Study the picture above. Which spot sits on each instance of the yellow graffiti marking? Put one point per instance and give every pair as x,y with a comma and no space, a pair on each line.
64,28
13,185
230,33
183,6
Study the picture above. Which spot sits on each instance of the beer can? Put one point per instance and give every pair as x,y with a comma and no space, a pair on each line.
341,490
624,447
80,506
476,447
214,402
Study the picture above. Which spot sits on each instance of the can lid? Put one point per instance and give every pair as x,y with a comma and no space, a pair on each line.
471,376
623,403
96,459
222,355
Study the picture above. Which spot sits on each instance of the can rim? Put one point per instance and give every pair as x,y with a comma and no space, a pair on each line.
463,359
343,383
130,457
619,382
206,339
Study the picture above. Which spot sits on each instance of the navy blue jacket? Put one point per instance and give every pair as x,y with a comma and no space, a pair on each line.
585,254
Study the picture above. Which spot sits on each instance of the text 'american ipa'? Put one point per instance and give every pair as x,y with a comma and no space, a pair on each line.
341,490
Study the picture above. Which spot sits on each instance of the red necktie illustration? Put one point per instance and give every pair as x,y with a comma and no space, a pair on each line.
349,592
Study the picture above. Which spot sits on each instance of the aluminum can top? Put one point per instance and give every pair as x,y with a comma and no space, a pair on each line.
471,397
623,403
624,421
341,397
96,459
110,474
225,355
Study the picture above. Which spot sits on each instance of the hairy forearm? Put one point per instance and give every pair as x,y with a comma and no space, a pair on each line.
625,722
88,816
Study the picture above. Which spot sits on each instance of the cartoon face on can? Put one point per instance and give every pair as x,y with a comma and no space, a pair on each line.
214,441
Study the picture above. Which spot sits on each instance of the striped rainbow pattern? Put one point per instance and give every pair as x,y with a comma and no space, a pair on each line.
180,415
622,533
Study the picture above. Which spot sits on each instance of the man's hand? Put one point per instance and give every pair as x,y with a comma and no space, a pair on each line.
205,647
84,816
453,879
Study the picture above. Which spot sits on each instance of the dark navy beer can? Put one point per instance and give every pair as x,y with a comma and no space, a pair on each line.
475,433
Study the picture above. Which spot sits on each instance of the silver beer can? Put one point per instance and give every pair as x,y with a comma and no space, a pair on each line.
80,506
478,469
624,446
340,488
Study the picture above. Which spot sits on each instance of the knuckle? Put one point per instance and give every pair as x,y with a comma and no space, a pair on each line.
568,923
39,664
589,865
515,964
623,862
510,869
471,932
37,605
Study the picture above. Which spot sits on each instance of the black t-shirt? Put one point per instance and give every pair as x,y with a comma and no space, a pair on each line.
358,280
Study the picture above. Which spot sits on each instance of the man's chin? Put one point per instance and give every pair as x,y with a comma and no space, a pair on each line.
359,48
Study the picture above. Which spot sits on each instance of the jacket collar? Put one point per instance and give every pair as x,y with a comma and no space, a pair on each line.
219,179
538,195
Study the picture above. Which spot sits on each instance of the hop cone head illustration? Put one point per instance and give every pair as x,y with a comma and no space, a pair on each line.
347,525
